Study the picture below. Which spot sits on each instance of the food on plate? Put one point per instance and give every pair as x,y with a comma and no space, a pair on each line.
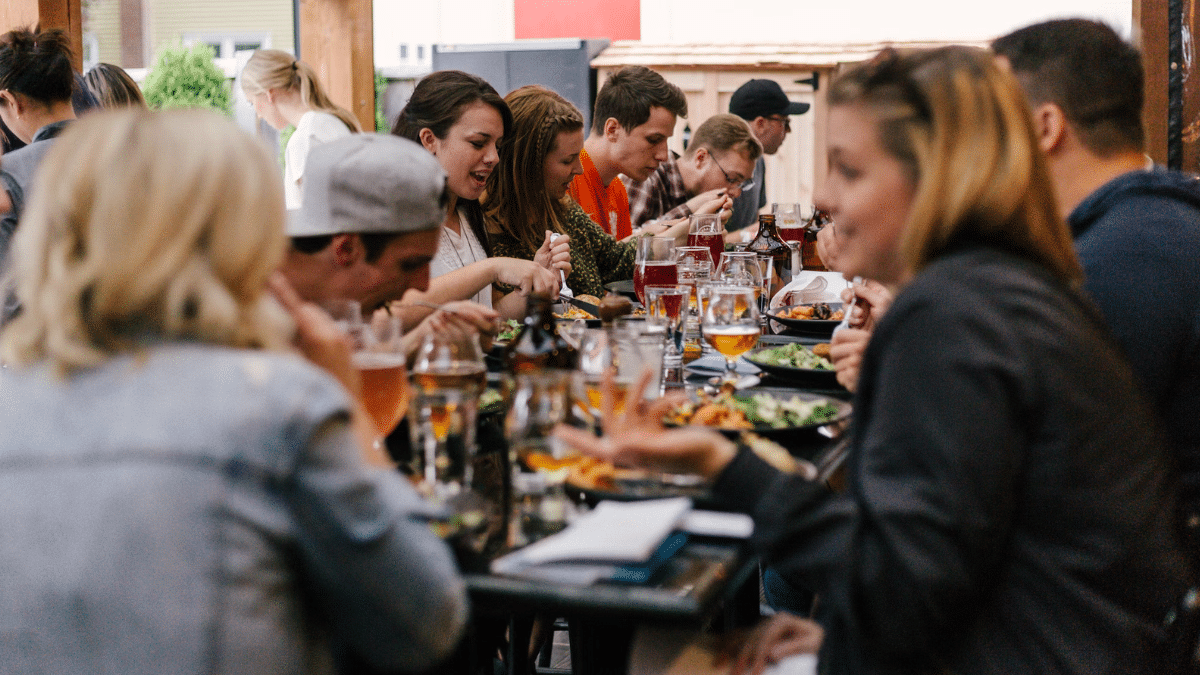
795,355
508,330
819,311
590,473
736,412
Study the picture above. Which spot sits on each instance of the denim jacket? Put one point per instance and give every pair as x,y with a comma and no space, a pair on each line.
189,509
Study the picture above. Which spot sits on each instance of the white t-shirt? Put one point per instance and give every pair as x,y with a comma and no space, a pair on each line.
315,128
459,250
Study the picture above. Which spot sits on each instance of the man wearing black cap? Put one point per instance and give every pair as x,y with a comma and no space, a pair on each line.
765,108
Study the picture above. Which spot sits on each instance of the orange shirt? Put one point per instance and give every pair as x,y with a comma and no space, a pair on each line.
608,206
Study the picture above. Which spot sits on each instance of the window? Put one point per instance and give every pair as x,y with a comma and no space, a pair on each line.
403,50
226,46
420,52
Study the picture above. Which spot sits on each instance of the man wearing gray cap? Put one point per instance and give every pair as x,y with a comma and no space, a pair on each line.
766,109
368,225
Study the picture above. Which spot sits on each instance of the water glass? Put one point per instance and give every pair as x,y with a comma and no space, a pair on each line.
666,309
448,377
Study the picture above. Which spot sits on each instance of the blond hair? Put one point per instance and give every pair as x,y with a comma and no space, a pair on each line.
516,200
724,132
270,69
161,225
961,127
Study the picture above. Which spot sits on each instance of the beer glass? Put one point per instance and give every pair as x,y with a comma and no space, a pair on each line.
666,309
731,323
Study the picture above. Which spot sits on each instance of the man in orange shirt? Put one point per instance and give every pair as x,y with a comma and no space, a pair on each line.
635,114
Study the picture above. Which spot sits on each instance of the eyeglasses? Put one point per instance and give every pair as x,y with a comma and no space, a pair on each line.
782,119
733,182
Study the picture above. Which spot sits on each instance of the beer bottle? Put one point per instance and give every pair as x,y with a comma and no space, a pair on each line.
538,346
768,244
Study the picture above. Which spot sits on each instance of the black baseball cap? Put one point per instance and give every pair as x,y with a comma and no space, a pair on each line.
762,98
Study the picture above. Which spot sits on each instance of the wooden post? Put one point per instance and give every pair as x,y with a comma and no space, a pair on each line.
1152,20
336,40
64,14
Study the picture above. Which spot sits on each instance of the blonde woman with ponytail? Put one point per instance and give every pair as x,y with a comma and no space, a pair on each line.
286,92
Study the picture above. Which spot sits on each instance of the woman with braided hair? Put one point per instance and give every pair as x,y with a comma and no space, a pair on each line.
286,92
528,196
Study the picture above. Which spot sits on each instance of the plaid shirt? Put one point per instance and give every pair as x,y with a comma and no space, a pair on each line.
661,195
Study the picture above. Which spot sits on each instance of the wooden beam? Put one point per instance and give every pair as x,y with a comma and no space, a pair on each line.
336,39
64,14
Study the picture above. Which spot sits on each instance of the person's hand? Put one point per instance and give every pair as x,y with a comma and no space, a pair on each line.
636,437
526,276
873,302
317,336
846,352
776,638
827,248
461,319
320,341
677,230
555,256
711,202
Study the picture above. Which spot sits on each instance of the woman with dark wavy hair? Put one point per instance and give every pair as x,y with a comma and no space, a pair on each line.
461,119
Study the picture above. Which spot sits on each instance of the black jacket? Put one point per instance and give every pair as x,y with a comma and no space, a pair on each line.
1009,494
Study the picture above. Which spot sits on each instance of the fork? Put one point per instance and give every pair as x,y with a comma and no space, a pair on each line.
848,311
563,289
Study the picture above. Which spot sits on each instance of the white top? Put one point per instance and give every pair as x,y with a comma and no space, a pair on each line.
459,250
315,128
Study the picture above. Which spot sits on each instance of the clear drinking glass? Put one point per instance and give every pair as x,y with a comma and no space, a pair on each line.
448,376
380,360
705,230
654,264
666,309
731,323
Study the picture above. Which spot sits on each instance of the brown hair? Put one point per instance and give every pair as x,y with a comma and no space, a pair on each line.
37,64
961,127
439,100
516,200
113,87
270,69
629,94
724,132
1089,72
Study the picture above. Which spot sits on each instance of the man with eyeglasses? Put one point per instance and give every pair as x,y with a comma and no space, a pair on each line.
767,110
714,169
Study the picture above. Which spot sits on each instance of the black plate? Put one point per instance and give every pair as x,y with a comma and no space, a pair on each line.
800,376
796,438
625,288
635,491
816,327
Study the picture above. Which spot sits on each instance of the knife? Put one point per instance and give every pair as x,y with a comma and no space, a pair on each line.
588,307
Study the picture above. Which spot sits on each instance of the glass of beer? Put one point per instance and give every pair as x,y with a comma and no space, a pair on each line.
731,323
380,361
448,378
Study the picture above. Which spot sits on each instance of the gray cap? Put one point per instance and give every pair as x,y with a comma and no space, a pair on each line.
369,183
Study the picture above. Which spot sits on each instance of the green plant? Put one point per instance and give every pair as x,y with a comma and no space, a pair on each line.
185,77
381,84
